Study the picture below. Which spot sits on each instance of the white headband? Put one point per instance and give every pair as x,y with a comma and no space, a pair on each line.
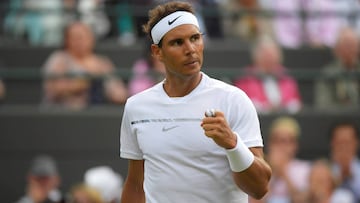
171,21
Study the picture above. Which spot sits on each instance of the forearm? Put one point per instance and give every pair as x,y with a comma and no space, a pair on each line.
116,91
132,193
254,180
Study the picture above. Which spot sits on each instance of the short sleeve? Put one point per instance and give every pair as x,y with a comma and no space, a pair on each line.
129,147
243,119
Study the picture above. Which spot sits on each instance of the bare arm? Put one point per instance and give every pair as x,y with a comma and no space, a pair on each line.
116,91
254,179
133,187
56,84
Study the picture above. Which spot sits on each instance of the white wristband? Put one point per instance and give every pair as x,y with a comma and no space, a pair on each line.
240,157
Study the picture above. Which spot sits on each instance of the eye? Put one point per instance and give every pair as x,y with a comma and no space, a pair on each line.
177,42
195,37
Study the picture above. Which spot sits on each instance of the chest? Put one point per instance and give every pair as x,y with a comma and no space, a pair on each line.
171,137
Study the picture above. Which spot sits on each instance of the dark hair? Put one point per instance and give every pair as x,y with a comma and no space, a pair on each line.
343,123
162,10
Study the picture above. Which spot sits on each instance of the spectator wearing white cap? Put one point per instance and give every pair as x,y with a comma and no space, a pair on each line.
106,181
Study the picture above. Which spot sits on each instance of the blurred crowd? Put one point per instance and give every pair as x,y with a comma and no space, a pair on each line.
291,23
75,76
334,178
100,184
331,179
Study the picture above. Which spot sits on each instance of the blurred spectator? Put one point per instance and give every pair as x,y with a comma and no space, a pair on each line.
147,71
128,21
349,13
287,25
323,187
289,178
70,14
266,82
241,20
76,76
322,23
106,181
92,13
44,22
43,181
82,193
339,84
344,144
208,15
39,21
14,23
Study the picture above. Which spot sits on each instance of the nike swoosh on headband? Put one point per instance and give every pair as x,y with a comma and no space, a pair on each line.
172,21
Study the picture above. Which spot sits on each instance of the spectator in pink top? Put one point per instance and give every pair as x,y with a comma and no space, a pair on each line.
146,72
266,82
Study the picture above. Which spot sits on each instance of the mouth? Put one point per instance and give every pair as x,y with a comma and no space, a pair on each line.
192,62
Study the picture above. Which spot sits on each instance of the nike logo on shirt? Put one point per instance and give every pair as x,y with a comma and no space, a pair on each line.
172,21
165,129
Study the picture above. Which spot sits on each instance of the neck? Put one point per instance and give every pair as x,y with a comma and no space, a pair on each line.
181,86
79,55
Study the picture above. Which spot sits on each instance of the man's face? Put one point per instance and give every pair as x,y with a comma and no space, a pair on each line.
344,143
181,51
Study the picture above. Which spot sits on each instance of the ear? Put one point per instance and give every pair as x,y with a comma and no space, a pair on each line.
156,52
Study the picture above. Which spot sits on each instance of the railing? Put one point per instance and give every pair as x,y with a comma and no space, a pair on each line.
27,73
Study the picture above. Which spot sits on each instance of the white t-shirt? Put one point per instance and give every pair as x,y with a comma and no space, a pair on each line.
181,163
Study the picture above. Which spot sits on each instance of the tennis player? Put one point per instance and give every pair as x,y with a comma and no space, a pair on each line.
177,154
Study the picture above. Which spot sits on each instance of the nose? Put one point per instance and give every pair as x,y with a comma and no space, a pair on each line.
189,47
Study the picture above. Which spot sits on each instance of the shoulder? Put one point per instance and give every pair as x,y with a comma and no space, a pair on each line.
225,91
56,61
57,54
144,97
222,86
